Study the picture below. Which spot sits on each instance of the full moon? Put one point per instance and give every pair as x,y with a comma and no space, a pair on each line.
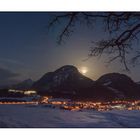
83,70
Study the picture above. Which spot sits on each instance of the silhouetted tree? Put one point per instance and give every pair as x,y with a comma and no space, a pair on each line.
123,27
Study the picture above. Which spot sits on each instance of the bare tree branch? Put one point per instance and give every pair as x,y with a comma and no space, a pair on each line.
66,31
124,28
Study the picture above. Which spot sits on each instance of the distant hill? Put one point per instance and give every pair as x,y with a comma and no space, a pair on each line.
24,85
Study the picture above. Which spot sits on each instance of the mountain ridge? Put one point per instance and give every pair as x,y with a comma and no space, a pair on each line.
67,81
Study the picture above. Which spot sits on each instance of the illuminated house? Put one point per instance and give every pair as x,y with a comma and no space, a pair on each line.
29,92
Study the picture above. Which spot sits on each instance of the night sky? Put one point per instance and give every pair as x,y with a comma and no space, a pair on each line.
28,49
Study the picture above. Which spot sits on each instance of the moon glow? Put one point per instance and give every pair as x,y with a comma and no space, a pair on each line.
83,70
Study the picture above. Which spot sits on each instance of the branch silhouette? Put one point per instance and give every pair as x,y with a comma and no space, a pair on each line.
123,27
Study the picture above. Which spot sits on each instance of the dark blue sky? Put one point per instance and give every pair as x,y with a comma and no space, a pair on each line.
28,50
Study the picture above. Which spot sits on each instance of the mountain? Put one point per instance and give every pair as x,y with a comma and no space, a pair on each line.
24,85
121,84
66,78
68,82
96,92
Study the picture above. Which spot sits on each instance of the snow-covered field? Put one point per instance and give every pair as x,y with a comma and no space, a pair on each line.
40,116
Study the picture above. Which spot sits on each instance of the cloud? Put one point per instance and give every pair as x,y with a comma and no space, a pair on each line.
11,61
17,66
7,77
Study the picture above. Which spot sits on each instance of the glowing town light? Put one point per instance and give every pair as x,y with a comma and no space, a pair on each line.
28,92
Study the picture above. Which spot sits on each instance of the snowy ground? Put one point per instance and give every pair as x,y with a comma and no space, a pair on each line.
27,116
